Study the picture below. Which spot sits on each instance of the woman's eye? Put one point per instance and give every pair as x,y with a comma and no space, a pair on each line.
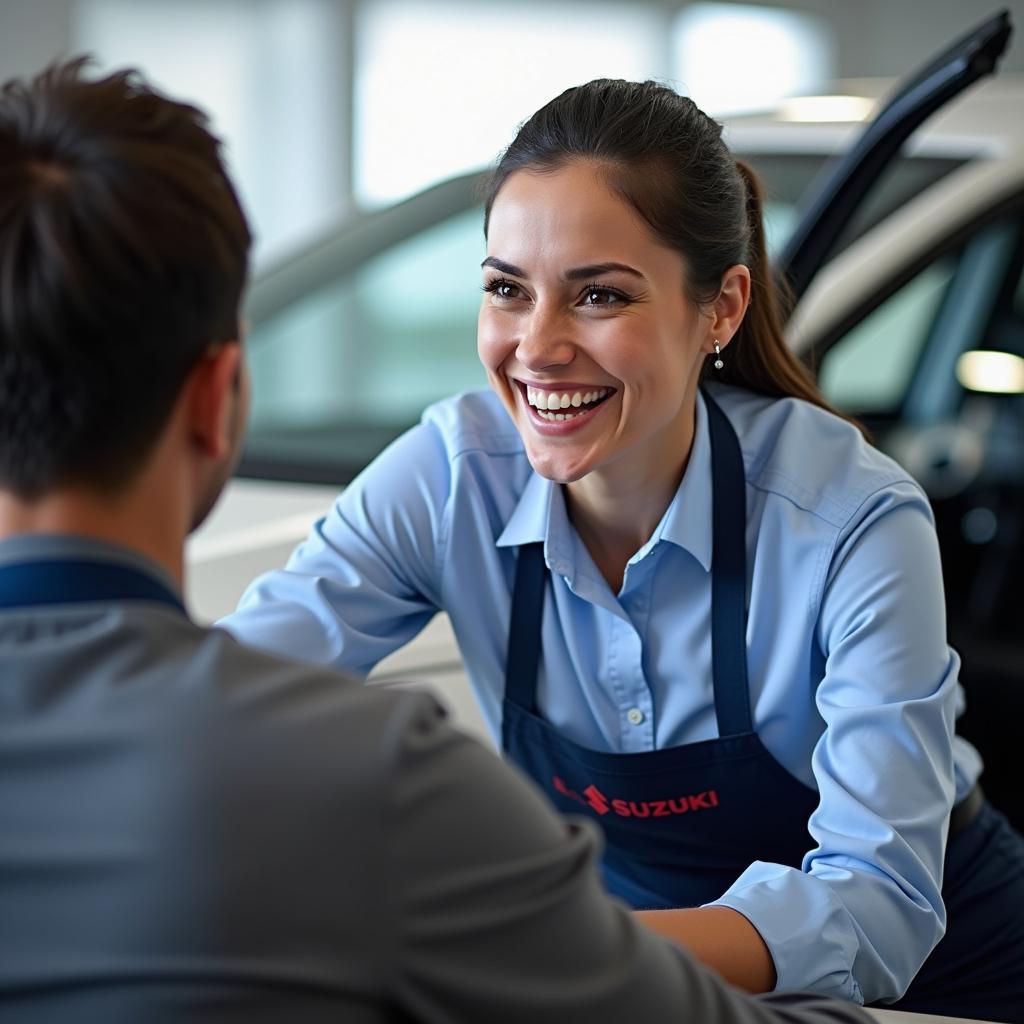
598,295
503,289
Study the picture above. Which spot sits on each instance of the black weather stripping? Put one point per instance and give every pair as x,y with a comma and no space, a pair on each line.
835,200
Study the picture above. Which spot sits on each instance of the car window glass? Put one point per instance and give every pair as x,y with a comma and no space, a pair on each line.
788,177
339,373
1018,298
869,368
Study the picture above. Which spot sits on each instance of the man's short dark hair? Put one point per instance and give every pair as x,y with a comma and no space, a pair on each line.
123,255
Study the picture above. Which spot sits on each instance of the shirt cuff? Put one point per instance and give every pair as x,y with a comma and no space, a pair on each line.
809,933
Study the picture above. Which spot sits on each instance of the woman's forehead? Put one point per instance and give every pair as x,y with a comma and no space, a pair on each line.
570,214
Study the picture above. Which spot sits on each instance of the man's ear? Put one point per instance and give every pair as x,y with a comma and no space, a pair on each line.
728,309
211,397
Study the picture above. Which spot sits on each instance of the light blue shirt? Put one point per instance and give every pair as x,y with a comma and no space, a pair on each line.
854,689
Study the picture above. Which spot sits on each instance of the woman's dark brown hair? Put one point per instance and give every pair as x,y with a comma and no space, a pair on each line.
666,158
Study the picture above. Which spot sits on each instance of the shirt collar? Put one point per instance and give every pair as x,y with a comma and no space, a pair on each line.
528,523
29,547
540,514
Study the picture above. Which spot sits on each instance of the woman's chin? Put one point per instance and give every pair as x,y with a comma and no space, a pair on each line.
558,470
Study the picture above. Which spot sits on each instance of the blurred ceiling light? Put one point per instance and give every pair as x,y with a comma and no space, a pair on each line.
732,57
1000,373
826,108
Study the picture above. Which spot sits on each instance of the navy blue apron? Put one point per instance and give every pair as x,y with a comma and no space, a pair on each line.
47,581
977,970
682,824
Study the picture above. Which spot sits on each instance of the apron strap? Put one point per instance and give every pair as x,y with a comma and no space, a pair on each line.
728,577
524,634
73,581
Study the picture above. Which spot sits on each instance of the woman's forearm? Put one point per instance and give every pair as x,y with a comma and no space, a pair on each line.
722,939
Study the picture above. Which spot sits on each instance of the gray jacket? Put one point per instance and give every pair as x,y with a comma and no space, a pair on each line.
192,831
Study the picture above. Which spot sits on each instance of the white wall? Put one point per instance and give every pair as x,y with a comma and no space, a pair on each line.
885,37
32,34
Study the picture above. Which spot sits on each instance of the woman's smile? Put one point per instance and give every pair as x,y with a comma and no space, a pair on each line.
557,410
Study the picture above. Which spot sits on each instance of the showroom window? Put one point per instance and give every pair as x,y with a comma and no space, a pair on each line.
441,87
714,46
271,83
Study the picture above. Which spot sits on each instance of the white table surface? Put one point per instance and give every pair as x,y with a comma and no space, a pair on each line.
899,1017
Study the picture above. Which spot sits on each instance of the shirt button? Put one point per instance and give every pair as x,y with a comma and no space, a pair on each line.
635,716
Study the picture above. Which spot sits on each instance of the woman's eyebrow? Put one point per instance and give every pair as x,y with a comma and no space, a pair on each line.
575,274
505,268
596,269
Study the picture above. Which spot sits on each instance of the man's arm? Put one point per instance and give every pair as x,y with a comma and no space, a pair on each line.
499,913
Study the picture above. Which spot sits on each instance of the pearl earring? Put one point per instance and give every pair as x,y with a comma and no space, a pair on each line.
718,356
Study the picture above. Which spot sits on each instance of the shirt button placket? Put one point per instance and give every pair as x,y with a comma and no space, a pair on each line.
639,730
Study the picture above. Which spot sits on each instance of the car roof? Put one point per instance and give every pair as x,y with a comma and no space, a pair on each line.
984,121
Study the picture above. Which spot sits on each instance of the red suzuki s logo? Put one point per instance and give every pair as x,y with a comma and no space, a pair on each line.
593,798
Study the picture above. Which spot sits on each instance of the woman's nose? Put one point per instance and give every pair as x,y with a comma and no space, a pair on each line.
545,342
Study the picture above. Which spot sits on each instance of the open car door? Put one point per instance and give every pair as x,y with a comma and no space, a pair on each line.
836,196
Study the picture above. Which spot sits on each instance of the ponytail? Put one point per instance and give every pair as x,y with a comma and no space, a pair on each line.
759,358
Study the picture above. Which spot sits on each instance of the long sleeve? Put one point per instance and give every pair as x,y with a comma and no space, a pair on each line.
499,914
865,911
365,581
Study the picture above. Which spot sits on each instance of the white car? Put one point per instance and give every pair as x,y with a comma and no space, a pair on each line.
908,271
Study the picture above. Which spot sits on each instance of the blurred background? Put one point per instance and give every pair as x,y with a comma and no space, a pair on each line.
359,132
329,104
333,110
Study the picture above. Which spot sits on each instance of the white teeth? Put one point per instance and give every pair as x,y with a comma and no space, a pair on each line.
548,400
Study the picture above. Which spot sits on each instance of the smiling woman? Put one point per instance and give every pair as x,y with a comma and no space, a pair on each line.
695,604
557,323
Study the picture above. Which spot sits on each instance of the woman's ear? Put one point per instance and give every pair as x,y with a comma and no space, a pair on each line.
212,396
728,310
